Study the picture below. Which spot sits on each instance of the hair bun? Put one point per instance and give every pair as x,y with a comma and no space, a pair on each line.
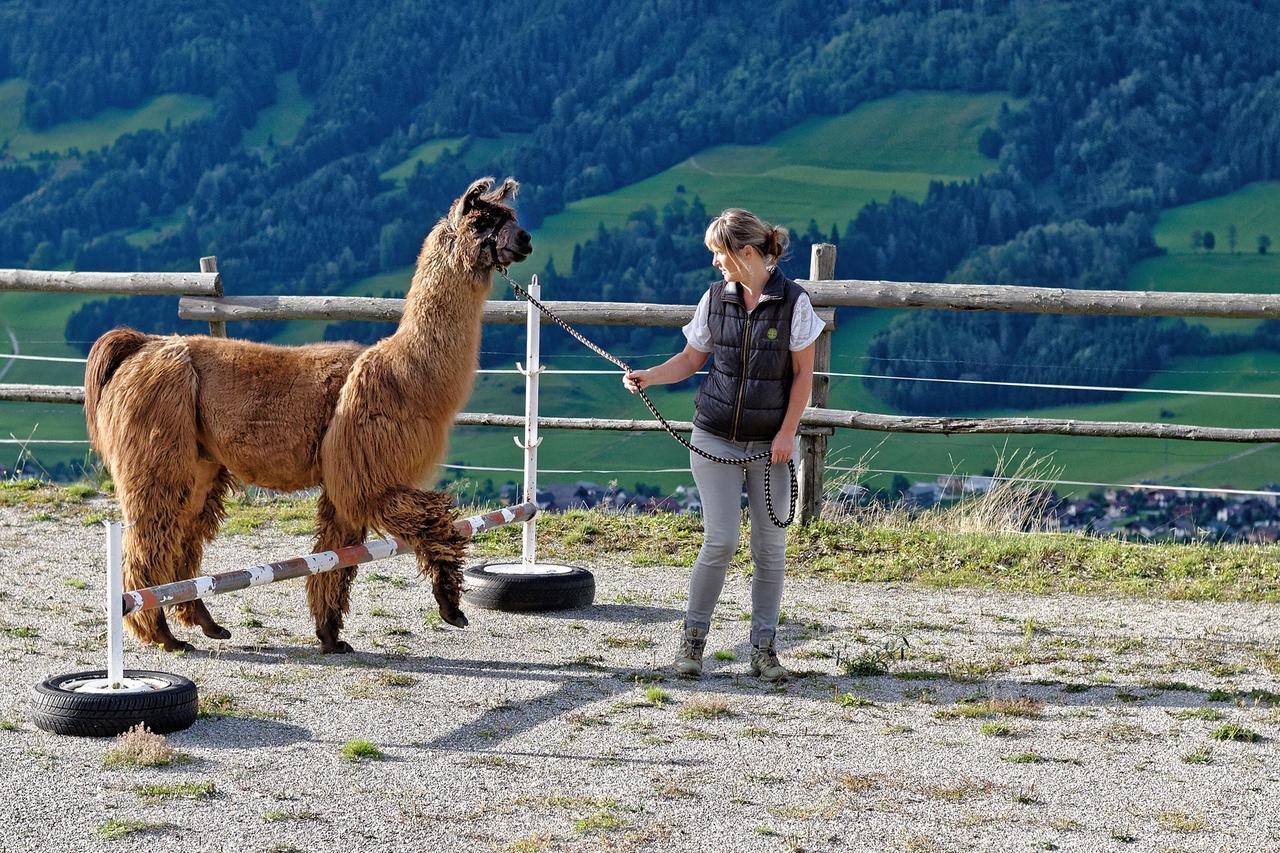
776,241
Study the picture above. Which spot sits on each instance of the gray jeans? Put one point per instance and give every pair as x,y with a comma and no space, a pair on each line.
720,489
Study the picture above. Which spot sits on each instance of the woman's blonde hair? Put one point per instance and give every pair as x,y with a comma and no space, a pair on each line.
735,229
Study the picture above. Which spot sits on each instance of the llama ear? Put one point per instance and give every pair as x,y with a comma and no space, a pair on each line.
507,191
473,194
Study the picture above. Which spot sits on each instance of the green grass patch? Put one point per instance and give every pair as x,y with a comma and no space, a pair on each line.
178,791
1236,733
1204,755
117,828
601,821
1197,714
656,696
850,700
361,750
292,515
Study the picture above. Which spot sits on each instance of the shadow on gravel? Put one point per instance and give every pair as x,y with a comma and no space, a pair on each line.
616,613
239,732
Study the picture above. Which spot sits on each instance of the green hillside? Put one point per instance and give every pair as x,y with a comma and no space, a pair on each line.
103,129
1253,210
426,153
824,169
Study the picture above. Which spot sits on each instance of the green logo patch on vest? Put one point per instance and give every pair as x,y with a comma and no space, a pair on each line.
772,334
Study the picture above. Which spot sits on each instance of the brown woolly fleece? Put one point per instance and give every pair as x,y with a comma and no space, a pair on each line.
179,419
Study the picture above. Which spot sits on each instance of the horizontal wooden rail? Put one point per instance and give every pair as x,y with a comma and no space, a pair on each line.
382,310
42,393
122,283
389,310
816,421
826,294
1033,426
1041,300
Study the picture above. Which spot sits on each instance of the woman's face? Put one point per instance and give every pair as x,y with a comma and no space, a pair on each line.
734,267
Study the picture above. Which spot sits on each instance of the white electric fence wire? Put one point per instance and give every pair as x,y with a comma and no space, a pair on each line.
1131,486
11,356
1044,385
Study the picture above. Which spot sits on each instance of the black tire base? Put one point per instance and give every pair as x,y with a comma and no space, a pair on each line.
168,709
528,592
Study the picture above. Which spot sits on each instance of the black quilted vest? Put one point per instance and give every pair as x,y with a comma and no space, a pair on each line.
745,396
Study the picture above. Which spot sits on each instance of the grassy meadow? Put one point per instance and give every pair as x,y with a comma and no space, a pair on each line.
279,123
1253,210
91,133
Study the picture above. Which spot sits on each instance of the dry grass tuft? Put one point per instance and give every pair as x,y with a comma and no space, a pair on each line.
141,747
964,788
706,708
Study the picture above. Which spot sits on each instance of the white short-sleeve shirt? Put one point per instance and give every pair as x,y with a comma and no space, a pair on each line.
806,325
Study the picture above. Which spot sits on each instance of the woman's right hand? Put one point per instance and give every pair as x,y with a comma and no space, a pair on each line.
636,380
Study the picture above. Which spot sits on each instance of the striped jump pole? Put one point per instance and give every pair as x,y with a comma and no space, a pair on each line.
205,586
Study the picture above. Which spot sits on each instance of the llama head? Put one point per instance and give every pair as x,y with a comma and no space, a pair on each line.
484,227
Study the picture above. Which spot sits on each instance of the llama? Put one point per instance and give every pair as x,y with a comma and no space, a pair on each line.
178,420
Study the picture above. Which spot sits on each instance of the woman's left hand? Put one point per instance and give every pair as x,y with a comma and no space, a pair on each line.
783,445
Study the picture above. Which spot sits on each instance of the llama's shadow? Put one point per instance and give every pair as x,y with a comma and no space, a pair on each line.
642,613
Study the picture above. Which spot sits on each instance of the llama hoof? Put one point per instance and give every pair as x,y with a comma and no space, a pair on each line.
216,632
456,618
338,647
177,646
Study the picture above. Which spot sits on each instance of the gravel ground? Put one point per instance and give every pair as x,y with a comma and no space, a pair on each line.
534,732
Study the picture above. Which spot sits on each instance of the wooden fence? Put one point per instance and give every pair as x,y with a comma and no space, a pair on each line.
202,300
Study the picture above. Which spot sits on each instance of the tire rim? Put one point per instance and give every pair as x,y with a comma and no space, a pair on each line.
105,685
534,569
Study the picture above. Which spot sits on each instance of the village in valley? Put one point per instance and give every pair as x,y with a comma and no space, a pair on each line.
1150,513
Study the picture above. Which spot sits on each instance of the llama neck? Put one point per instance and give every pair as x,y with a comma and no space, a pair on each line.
440,330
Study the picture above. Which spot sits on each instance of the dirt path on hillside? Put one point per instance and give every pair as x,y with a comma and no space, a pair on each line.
1011,723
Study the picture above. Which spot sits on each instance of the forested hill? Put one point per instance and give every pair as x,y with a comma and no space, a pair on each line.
1126,108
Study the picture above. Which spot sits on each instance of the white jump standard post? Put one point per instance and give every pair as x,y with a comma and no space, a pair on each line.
115,682
531,369
528,584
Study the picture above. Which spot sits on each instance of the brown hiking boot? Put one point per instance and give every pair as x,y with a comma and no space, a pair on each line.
764,663
692,643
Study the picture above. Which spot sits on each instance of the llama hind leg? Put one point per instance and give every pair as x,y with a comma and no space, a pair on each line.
425,520
215,481
329,594
151,554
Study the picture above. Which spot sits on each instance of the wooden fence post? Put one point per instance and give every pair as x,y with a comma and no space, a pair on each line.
813,448
217,328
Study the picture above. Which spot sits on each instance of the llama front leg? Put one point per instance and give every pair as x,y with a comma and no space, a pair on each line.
329,594
425,520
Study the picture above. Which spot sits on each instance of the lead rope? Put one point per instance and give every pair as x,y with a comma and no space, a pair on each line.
768,495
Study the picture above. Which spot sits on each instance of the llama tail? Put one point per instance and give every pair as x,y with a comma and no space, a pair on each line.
106,356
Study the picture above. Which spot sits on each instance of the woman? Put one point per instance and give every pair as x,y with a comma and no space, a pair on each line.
761,327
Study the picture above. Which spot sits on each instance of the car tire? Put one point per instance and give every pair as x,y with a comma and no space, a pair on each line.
170,705
505,586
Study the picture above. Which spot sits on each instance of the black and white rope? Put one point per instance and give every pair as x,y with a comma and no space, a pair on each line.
768,492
